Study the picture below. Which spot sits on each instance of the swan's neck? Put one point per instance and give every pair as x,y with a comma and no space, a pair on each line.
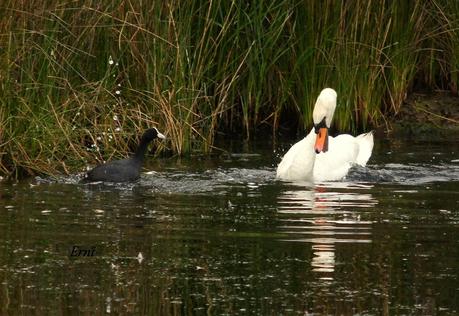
309,153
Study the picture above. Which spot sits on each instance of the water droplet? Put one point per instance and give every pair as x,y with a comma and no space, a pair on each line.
140,257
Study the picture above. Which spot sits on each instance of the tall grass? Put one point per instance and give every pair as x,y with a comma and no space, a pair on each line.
80,80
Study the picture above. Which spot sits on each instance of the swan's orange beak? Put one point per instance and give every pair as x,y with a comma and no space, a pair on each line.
321,144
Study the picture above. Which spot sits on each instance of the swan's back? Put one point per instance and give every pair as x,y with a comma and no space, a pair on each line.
344,151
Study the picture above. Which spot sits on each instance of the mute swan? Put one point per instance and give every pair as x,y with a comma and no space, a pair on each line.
319,157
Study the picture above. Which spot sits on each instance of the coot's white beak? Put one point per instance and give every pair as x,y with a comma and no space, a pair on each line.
161,136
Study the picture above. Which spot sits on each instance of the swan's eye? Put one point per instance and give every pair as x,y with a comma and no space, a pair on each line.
322,124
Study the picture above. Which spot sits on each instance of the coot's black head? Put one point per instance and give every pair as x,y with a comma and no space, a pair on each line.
151,134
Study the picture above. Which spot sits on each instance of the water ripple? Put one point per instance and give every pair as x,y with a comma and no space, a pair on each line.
207,181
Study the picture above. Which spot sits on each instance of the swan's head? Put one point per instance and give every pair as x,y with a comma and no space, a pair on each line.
322,116
324,108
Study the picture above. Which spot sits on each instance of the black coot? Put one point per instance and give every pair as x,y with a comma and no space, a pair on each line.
124,170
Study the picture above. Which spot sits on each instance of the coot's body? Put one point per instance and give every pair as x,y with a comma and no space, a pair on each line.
124,170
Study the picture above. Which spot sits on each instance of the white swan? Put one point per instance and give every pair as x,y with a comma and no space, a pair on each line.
319,157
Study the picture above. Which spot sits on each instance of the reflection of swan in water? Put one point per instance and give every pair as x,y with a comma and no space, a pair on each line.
324,258
324,216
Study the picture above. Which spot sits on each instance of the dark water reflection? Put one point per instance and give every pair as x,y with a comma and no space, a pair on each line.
223,237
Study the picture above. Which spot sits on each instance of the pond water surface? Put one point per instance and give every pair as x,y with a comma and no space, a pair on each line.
222,236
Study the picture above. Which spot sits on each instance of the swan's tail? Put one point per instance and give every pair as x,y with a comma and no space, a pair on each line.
366,143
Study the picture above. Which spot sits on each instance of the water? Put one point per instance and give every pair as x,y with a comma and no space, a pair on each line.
222,236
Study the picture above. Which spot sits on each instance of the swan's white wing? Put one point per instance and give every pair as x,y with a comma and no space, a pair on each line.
366,143
301,162
298,162
336,162
344,151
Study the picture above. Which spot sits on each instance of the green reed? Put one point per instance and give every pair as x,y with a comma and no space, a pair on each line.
81,80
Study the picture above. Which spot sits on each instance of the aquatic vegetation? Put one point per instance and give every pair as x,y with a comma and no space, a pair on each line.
78,78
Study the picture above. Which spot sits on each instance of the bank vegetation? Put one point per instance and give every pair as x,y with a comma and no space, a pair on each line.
80,80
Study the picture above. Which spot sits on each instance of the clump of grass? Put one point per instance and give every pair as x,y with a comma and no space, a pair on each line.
79,83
